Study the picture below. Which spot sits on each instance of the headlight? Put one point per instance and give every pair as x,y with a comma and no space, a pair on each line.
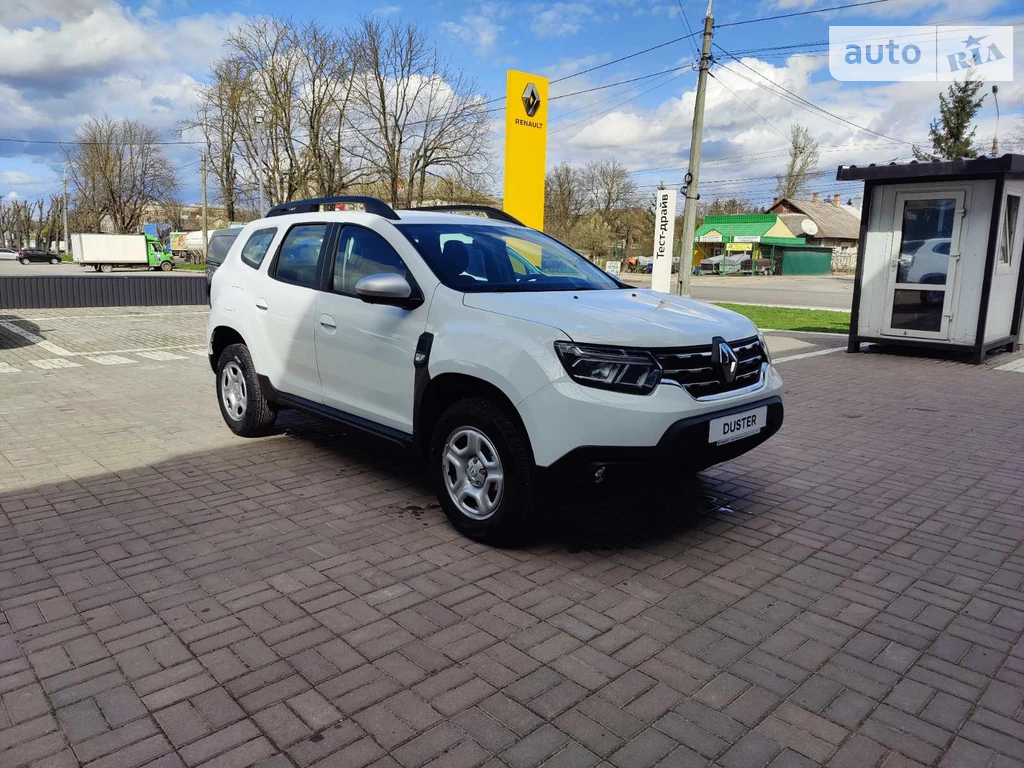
764,347
623,370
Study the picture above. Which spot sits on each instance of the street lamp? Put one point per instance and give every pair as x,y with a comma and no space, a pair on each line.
258,116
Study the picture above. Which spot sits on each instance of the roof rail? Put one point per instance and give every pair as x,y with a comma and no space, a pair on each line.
487,210
371,204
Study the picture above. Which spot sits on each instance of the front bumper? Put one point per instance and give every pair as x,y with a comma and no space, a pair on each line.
683,445
565,417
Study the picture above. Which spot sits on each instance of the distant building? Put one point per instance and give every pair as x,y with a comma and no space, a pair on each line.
832,224
759,242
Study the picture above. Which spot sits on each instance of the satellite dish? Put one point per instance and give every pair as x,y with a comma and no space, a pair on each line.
809,227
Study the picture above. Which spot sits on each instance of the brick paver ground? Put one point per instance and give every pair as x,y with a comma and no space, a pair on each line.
174,596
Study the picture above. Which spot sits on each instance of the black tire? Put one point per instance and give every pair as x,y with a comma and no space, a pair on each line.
96,268
23,260
106,268
259,415
510,523
166,266
55,260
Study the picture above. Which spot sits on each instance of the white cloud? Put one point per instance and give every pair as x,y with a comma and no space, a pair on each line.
477,29
12,195
739,144
387,10
560,19
66,60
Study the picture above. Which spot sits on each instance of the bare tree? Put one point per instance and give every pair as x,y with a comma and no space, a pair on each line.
803,161
566,200
615,196
414,114
117,168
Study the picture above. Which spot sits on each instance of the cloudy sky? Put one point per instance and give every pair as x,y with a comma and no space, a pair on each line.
64,60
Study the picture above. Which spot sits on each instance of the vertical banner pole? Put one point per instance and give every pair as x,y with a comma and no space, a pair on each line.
664,234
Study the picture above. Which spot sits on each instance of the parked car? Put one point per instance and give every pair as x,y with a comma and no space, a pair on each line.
220,241
29,255
8,253
426,328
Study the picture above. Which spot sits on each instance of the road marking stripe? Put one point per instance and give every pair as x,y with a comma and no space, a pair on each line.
56,362
111,360
33,338
134,350
1016,366
808,354
159,355
8,368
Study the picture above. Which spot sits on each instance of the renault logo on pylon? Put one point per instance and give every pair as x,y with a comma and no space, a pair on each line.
531,99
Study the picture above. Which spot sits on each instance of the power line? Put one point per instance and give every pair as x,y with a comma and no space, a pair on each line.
614,106
741,101
620,82
622,58
801,13
797,100
686,21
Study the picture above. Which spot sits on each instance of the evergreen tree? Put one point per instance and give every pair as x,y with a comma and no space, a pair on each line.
951,133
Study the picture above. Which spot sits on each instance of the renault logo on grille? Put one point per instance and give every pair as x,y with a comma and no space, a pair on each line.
724,360
531,100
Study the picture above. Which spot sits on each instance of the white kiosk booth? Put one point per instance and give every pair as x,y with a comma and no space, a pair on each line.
939,259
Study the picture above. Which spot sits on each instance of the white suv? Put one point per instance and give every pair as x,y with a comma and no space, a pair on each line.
493,350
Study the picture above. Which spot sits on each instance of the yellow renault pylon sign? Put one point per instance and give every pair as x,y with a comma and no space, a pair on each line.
526,139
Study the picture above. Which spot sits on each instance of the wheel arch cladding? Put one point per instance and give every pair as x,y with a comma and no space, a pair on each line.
223,337
448,388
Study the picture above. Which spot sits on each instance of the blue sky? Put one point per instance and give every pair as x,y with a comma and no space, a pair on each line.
67,59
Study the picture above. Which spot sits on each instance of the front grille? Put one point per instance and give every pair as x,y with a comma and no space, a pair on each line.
692,367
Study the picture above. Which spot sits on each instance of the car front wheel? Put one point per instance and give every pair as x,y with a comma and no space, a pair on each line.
242,403
483,471
166,266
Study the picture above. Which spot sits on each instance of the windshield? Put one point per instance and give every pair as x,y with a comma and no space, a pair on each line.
484,258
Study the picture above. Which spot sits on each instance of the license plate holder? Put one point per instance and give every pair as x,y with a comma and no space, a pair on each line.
736,426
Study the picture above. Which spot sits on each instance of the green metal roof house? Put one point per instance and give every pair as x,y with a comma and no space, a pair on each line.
760,236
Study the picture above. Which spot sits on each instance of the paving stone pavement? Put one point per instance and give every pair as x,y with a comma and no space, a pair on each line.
171,595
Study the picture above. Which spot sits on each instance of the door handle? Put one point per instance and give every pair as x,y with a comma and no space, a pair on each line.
261,304
328,324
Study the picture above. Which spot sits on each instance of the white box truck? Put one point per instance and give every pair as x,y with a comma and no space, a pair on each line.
105,252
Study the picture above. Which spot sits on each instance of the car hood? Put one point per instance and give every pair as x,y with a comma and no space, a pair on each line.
634,318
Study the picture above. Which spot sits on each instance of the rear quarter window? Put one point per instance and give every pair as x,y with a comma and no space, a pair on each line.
257,246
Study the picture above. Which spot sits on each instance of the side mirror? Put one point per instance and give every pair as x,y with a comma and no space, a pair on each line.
388,288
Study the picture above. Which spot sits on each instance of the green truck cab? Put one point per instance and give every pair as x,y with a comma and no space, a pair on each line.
158,257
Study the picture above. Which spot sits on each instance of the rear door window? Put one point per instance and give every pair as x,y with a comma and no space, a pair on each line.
299,255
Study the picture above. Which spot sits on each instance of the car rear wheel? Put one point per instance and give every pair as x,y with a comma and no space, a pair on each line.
242,403
107,268
483,471
55,260
23,260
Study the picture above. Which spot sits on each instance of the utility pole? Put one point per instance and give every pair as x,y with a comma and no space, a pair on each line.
690,189
206,241
67,234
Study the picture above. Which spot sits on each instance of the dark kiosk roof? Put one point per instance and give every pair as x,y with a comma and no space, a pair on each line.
978,166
